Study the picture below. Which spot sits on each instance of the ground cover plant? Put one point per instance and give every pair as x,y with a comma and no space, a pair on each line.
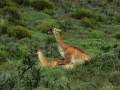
93,26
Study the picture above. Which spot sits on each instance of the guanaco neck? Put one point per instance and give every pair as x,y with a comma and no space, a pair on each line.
41,58
60,41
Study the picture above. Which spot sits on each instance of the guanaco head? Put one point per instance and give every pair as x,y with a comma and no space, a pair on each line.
53,30
35,51
56,30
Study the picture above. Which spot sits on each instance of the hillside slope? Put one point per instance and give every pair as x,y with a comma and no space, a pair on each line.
91,25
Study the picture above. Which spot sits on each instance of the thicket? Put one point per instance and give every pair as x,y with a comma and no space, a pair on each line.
19,32
49,12
118,17
3,55
3,26
97,34
12,13
47,25
4,3
84,12
114,78
42,4
22,2
117,35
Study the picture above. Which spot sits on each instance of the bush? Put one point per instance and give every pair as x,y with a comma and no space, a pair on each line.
47,25
117,35
41,88
97,34
3,29
3,3
25,2
49,46
89,22
85,86
50,39
24,49
49,12
20,22
3,26
13,13
114,78
42,4
19,31
102,18
118,17
3,56
83,12
51,78
117,2
36,18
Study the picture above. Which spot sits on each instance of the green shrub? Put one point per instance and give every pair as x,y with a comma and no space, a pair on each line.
84,12
12,13
97,34
3,26
3,29
49,12
85,86
89,22
49,46
25,2
50,39
118,17
47,25
41,88
108,87
18,31
114,78
23,49
42,4
117,87
102,18
3,56
20,22
52,78
117,2
4,3
117,35
35,18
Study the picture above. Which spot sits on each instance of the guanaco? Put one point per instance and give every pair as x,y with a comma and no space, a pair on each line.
71,54
44,62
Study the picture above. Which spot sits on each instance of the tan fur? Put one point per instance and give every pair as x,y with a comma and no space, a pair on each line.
44,62
71,54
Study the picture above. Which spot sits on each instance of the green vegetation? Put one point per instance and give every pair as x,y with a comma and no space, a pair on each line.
3,56
84,12
93,26
114,78
49,12
19,31
97,34
89,22
12,13
117,35
47,25
42,4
